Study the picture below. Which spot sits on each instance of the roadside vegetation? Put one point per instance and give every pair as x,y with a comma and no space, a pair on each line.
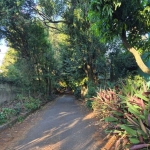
17,108
125,105
97,49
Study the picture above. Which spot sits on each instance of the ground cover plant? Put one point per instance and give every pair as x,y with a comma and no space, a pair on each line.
127,107
18,107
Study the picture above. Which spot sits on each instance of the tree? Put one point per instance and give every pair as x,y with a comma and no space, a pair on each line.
21,27
35,60
86,48
129,19
30,39
121,62
9,70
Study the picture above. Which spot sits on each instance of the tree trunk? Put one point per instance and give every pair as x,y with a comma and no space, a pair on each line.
50,86
89,72
137,56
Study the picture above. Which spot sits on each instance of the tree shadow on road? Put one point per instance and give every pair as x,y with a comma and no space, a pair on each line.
66,127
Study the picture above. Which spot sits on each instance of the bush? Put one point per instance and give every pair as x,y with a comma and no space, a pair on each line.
104,102
3,118
32,104
6,114
91,90
77,92
89,103
128,109
20,105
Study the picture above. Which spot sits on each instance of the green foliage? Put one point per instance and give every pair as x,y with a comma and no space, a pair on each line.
21,105
77,92
10,71
117,15
32,64
91,89
122,67
104,102
83,56
112,18
91,92
89,103
2,118
118,64
6,114
127,108
20,119
32,103
70,57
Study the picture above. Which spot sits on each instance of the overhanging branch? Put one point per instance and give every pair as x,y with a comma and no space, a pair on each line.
135,53
47,25
47,18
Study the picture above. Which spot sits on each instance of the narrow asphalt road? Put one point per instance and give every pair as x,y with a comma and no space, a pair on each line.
62,126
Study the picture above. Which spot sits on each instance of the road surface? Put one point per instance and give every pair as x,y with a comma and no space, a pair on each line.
63,125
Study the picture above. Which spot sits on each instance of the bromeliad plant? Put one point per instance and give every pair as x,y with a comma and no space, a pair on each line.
105,101
135,106
129,111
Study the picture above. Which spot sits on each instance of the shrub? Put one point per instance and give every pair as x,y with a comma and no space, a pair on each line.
89,103
104,102
32,104
128,108
77,92
91,90
6,114
3,118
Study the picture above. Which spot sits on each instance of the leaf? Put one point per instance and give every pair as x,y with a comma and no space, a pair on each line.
117,113
142,97
132,109
110,119
117,4
122,97
142,126
134,140
142,117
133,112
132,121
129,130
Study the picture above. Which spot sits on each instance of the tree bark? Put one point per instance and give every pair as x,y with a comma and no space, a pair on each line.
135,53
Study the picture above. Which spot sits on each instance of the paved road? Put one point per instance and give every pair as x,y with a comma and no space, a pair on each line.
63,126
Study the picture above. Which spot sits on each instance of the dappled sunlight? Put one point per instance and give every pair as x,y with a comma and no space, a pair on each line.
73,124
63,114
89,116
58,136
63,127
32,142
51,135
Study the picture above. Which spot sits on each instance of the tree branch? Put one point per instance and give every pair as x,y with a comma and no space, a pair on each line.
47,18
137,56
46,24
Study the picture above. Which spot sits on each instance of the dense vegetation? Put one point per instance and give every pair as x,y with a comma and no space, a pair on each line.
82,45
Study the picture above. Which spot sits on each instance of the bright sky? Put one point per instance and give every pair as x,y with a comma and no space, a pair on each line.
3,50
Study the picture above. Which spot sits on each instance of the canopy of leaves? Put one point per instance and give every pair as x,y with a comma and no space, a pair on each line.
111,17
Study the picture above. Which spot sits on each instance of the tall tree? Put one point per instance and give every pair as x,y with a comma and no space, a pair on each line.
85,47
30,39
129,19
